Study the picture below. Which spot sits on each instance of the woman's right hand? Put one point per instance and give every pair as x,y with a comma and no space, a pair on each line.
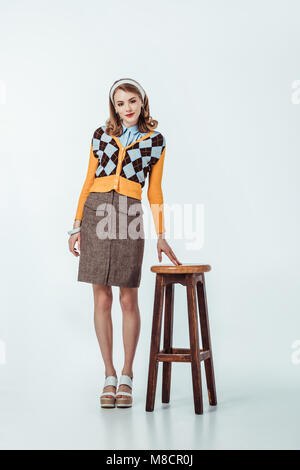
72,240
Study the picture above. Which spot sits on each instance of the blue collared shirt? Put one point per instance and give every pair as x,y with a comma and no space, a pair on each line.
130,134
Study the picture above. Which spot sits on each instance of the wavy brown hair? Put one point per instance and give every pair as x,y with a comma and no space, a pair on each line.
145,122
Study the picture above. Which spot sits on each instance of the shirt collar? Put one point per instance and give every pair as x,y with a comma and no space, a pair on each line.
132,129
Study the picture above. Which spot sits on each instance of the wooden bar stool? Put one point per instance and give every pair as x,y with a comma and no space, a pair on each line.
191,276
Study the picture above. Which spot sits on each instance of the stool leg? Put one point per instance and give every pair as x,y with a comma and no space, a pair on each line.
168,340
155,341
206,341
194,343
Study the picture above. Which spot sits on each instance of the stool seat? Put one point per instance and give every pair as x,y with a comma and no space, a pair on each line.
184,268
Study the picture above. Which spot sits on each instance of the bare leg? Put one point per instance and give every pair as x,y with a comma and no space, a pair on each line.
104,329
131,329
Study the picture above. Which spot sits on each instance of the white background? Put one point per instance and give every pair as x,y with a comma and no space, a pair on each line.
219,78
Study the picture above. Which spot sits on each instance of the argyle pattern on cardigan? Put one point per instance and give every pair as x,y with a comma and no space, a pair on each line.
138,160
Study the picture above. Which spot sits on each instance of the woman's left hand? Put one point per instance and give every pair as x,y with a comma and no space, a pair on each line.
163,246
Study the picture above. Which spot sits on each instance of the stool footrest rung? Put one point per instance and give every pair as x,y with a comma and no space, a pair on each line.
179,355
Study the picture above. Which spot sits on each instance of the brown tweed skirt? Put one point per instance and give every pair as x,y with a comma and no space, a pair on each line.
112,240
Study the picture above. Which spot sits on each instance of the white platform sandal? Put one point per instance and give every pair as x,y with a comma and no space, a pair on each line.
108,399
127,401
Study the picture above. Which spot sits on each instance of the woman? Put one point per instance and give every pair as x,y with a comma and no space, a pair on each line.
122,154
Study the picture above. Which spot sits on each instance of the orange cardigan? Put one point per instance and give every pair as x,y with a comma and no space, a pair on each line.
145,155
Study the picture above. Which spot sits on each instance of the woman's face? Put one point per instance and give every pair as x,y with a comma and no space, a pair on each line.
128,105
